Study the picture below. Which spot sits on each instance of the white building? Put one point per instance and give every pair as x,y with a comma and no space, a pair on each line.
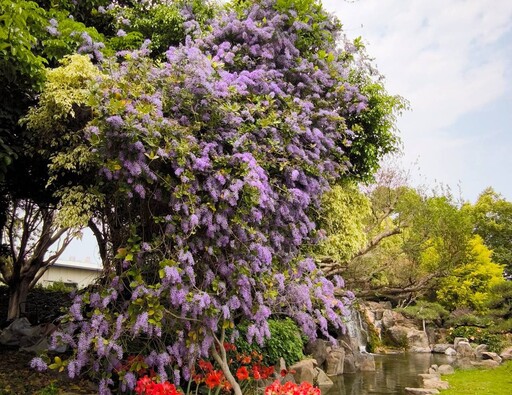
78,274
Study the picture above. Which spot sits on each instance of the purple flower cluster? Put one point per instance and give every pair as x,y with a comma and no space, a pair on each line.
220,156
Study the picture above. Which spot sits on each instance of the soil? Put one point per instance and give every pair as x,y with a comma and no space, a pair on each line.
16,375
18,378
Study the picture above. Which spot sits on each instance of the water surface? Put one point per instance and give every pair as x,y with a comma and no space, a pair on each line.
393,372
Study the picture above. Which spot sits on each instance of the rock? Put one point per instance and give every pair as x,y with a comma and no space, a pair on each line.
464,350
305,370
416,340
506,354
349,364
420,391
323,381
487,363
450,352
367,363
388,319
433,381
480,349
440,348
446,369
491,355
334,362
459,339
319,350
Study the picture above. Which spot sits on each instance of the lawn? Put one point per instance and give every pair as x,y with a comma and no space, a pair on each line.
481,381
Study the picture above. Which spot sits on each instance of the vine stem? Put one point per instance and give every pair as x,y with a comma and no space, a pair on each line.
221,358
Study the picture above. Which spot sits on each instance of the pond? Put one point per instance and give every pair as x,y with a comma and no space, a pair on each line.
393,372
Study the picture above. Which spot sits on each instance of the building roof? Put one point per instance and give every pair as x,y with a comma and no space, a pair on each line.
87,265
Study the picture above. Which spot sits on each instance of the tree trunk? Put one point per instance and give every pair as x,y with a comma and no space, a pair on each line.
18,293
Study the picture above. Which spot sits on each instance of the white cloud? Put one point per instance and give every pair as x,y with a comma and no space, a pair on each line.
432,52
449,59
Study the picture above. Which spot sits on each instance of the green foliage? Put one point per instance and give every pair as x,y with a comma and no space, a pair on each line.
285,342
500,306
60,287
162,23
381,119
50,389
424,310
344,213
493,221
20,23
478,335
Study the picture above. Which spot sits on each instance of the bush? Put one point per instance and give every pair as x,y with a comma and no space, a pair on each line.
478,335
285,342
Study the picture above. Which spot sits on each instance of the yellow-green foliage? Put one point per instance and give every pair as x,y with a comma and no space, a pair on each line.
57,120
343,215
469,284
67,87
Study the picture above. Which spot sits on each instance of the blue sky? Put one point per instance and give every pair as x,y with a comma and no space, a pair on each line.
452,60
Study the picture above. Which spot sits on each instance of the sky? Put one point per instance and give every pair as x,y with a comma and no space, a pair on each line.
452,60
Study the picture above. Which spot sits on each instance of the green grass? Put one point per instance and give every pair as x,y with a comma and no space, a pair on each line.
496,381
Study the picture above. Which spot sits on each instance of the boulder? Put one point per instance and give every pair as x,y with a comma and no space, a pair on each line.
305,370
388,319
416,340
349,364
487,363
420,391
480,349
459,339
334,362
440,348
367,363
491,355
318,349
450,352
506,354
433,381
464,350
323,381
445,369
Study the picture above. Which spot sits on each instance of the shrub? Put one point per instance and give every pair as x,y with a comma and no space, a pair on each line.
478,335
285,342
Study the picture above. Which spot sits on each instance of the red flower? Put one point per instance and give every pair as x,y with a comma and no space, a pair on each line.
213,379
205,365
256,373
242,373
229,347
146,386
267,372
246,360
284,372
276,388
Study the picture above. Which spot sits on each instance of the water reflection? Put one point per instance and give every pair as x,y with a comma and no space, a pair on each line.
393,372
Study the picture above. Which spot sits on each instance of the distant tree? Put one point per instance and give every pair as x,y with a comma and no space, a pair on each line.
493,222
36,230
470,284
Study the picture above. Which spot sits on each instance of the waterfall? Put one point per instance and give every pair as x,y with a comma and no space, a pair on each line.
356,331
